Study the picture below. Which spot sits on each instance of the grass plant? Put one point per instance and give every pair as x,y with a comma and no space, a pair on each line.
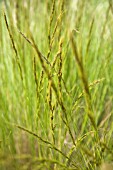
56,110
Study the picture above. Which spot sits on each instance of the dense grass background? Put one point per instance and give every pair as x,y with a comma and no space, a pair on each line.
56,84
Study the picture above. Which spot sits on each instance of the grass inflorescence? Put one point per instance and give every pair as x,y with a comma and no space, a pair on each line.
56,85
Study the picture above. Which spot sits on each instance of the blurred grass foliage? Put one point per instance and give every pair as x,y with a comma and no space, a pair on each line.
56,82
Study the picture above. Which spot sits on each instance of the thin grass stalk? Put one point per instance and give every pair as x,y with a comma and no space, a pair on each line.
37,90
53,67
103,29
91,85
79,13
62,3
60,68
50,22
84,83
53,34
13,45
49,38
89,37
35,76
42,140
51,110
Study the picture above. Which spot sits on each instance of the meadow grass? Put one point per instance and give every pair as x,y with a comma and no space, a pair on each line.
56,85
